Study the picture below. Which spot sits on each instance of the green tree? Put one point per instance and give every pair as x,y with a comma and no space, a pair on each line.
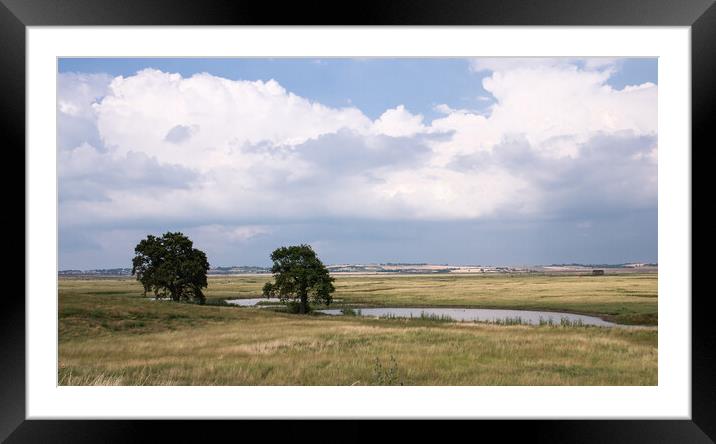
170,265
299,276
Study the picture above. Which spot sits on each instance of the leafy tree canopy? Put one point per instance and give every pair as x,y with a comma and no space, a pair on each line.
299,275
170,265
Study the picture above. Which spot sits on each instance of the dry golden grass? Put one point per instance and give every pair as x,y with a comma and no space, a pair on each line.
109,335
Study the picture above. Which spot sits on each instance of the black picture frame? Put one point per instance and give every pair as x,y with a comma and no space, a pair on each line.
16,15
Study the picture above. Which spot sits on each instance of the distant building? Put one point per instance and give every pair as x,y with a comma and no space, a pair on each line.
597,272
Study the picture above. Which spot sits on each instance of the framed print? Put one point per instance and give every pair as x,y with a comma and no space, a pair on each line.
399,212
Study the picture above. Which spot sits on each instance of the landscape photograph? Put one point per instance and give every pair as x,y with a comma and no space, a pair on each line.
373,221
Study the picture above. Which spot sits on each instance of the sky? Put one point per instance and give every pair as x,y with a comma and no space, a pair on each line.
489,161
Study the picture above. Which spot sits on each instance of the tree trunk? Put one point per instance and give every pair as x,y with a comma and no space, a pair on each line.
173,292
304,302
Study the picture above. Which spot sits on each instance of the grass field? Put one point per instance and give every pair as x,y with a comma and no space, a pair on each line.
110,335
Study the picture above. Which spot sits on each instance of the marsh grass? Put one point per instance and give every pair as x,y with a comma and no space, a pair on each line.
509,321
435,317
424,316
217,302
351,311
565,322
386,374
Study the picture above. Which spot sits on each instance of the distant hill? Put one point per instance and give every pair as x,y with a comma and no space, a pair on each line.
391,267
128,271
98,272
626,265
241,269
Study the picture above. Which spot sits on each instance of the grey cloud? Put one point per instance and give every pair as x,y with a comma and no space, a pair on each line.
180,133
611,172
343,155
348,152
627,237
76,118
88,175
73,132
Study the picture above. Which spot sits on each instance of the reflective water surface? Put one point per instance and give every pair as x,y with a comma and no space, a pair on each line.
481,314
249,302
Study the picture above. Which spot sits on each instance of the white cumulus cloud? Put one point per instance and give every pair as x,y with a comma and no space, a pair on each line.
399,122
220,155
